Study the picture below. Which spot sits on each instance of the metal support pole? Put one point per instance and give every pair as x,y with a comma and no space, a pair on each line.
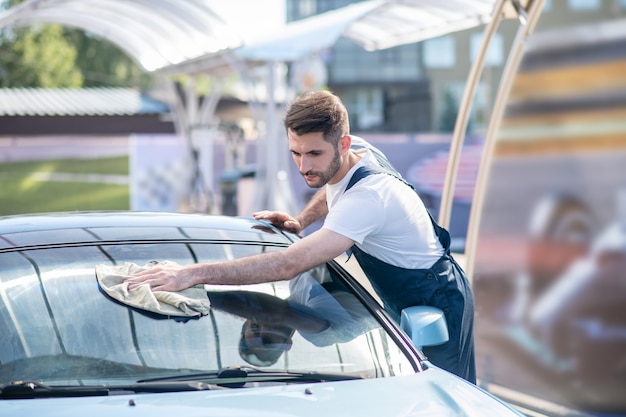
279,193
534,11
271,162
203,134
462,120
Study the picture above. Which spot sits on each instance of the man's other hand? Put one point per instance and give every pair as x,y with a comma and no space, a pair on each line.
280,219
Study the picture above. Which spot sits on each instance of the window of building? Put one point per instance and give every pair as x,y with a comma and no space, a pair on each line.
584,5
365,107
450,100
547,6
439,52
306,8
495,51
349,63
399,63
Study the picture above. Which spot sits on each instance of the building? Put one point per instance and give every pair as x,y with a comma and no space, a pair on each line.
417,87
86,111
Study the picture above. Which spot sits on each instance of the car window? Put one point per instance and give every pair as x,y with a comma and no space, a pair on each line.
59,327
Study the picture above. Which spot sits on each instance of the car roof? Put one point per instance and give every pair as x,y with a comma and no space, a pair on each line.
76,227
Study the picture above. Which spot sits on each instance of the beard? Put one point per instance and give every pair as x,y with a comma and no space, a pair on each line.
324,176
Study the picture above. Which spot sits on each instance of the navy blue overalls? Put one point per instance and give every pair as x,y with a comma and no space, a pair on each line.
444,285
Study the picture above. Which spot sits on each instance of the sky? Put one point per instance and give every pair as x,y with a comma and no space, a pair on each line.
259,16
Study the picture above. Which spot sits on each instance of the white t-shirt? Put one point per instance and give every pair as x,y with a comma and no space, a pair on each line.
384,217
347,316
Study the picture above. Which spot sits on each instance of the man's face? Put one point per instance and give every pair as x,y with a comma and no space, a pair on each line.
317,160
268,336
262,344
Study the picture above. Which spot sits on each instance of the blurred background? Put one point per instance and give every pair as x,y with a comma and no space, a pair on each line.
182,112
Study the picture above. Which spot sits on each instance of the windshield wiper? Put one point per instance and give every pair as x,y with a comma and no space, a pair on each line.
30,389
238,376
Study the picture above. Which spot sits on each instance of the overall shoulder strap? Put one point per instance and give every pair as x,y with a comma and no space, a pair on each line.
363,171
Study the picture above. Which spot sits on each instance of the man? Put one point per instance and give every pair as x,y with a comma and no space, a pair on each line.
322,316
376,217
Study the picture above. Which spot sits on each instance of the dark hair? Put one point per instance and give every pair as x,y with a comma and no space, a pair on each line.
318,111
262,354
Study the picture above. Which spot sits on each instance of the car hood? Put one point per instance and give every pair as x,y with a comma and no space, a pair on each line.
431,393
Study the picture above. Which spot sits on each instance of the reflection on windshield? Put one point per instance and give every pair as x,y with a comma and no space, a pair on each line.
322,314
59,328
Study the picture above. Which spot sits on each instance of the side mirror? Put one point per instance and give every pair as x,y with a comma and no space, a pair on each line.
425,325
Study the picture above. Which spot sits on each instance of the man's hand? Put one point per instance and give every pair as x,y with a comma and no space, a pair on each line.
165,277
280,219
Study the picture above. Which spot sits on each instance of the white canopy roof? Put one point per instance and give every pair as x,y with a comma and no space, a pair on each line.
189,36
157,33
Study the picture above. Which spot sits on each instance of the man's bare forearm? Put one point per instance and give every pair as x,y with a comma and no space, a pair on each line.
314,210
254,269
304,254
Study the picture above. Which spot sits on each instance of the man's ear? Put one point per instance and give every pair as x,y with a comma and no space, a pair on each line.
344,144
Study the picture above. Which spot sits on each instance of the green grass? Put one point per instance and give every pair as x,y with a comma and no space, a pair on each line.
21,193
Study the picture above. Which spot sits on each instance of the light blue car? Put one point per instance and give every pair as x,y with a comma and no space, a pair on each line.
74,342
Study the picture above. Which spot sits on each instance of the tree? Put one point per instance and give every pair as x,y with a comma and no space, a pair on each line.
52,55
450,113
102,63
38,57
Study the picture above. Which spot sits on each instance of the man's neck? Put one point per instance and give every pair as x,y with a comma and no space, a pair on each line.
352,159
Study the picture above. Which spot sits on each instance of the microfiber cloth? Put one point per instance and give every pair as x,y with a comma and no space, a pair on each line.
191,302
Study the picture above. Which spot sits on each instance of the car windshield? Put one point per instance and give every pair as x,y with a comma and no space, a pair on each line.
60,328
